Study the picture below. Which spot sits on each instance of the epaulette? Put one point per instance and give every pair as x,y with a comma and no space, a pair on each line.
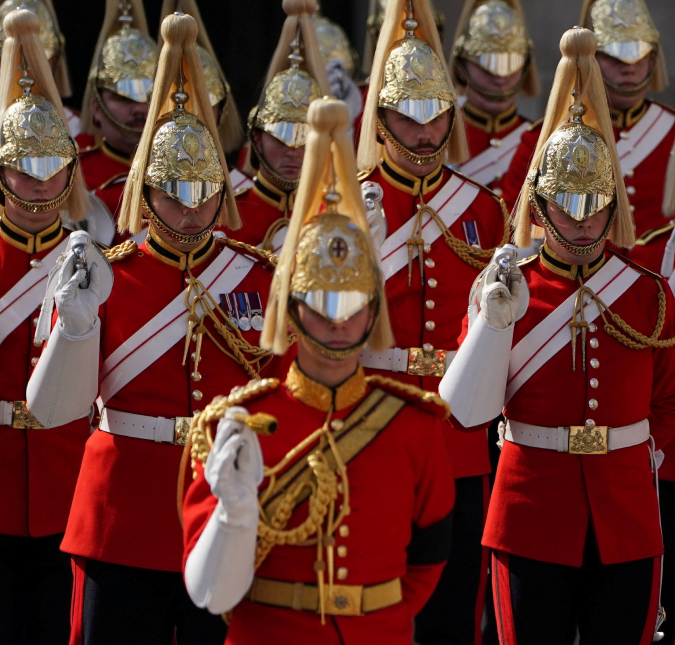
638,267
362,175
527,260
536,124
427,401
247,249
112,180
121,251
653,233
201,436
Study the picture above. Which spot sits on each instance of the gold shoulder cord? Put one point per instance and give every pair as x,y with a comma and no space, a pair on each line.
411,390
323,486
475,257
273,229
626,335
120,251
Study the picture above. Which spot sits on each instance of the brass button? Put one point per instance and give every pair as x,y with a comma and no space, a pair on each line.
196,411
593,404
595,363
631,190
337,424
432,282
33,362
430,325
37,342
427,248
340,488
429,263
499,176
592,327
343,531
498,191
197,395
36,264
428,348
35,322
342,573
629,173
196,377
594,383
495,143
631,208
430,304
624,135
342,551
193,356
594,343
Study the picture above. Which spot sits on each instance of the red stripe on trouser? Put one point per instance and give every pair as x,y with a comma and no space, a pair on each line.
648,633
484,562
77,600
501,591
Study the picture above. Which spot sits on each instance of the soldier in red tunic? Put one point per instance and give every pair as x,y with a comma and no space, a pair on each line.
576,347
277,130
181,324
631,58
492,62
39,178
352,518
436,229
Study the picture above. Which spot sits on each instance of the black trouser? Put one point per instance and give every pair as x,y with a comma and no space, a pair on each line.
452,615
667,491
130,606
35,587
538,602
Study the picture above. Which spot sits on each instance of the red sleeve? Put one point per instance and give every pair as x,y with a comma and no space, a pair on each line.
517,173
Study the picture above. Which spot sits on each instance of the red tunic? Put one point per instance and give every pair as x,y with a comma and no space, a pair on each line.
411,307
544,501
260,207
124,510
645,184
484,131
399,481
38,468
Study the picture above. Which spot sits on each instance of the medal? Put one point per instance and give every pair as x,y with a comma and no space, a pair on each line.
255,307
244,318
227,304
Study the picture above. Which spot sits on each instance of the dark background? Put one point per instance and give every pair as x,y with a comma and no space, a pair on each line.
245,33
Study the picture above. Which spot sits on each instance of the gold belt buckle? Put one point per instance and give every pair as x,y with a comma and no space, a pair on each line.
23,419
345,600
181,430
588,440
426,361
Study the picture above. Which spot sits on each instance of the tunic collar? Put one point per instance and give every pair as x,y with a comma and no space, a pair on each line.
628,118
490,123
175,258
29,242
272,194
409,183
572,271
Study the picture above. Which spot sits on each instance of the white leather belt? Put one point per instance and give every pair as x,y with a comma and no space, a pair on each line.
139,426
577,440
416,360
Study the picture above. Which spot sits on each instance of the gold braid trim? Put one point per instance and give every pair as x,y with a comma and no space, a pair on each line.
261,254
410,390
120,251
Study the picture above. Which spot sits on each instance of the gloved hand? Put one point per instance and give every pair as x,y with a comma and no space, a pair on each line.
342,87
499,303
77,308
234,470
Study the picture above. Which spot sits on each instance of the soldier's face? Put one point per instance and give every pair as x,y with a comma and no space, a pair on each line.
420,138
181,218
284,160
575,232
131,113
625,76
491,82
335,335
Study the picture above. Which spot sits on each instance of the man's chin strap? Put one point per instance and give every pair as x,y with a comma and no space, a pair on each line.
179,237
420,160
633,91
494,97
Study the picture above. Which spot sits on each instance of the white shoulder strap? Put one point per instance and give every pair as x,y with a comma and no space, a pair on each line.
239,180
495,160
169,326
450,203
644,137
553,333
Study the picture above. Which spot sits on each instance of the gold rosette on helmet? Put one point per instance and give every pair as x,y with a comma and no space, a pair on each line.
625,30
34,137
327,262
576,165
492,34
220,94
124,61
180,152
409,75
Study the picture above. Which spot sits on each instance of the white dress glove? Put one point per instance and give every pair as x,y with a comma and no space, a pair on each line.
220,569
499,304
77,308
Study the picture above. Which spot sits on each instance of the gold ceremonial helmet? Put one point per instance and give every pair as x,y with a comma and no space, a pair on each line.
575,165
495,38
217,86
184,162
51,37
376,17
333,43
327,261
